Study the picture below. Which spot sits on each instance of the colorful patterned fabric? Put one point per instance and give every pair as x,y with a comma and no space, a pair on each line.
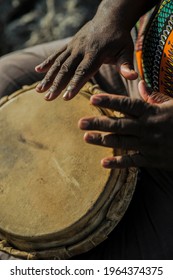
140,29
157,57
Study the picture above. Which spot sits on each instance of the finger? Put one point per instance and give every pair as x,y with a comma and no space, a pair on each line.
127,71
112,140
126,105
47,63
125,63
51,74
63,77
87,68
152,97
126,161
123,126
144,91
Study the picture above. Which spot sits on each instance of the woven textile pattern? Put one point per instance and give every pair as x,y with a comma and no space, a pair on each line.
157,58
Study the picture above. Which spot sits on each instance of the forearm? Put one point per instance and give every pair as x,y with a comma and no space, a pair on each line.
125,13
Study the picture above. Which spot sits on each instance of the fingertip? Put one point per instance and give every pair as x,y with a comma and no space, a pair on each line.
95,100
85,136
67,95
47,99
89,137
142,85
143,90
38,87
79,124
41,68
109,163
83,124
105,163
50,95
128,72
37,68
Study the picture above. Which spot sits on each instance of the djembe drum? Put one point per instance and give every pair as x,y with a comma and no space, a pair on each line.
56,201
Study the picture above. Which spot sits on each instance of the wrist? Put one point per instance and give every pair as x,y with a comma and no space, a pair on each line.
124,13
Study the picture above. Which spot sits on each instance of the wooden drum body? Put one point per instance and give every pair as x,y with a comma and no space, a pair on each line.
56,201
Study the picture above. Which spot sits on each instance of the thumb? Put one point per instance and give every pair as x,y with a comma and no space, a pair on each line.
125,62
127,71
151,97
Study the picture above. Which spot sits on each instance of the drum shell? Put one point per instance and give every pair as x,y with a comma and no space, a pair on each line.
95,224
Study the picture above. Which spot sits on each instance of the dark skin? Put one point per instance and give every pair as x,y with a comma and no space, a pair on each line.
105,39
146,129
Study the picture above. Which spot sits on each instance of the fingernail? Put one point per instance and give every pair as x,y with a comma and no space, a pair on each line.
89,137
106,163
47,95
41,85
67,95
84,124
128,69
37,67
38,87
96,100
69,88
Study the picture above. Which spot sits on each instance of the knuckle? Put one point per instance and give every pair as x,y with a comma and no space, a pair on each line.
83,69
57,81
80,71
103,140
110,140
47,61
117,125
57,62
120,160
55,84
64,69
46,80
126,101
134,104
96,123
53,88
50,59
100,139
48,76
52,71
89,60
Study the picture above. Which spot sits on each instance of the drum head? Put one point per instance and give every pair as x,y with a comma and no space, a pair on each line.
52,185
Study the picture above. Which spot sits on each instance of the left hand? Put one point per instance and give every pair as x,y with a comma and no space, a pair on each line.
80,59
146,129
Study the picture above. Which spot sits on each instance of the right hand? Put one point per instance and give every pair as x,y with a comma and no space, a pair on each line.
98,42
145,130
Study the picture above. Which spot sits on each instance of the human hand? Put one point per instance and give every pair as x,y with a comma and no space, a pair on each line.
146,129
98,42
